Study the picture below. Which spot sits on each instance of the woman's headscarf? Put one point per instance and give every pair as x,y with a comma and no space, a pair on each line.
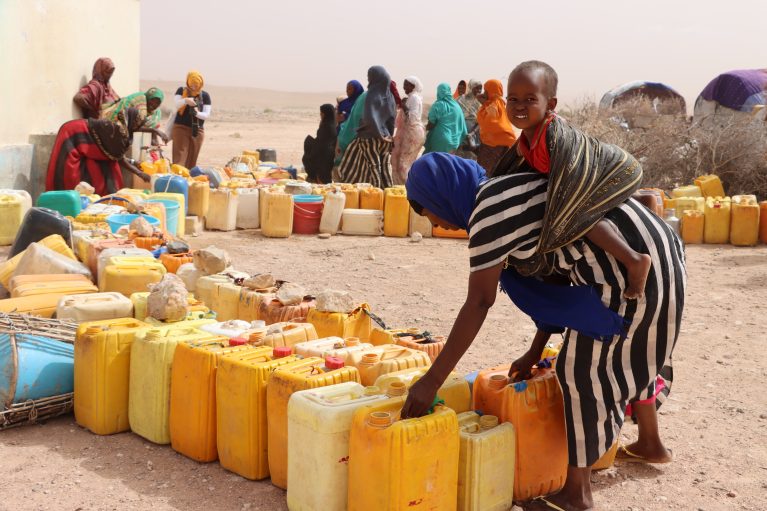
380,108
494,126
470,104
194,84
395,93
418,86
446,185
457,94
345,105
154,93
328,122
100,69
98,92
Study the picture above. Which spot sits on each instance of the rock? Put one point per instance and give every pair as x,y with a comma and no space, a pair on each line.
211,260
85,188
259,281
177,247
324,235
189,274
335,301
371,256
732,494
416,237
168,299
142,227
290,294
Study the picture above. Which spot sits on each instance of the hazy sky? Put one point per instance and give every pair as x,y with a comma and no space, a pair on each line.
318,45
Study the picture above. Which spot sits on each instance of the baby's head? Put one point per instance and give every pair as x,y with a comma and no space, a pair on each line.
532,93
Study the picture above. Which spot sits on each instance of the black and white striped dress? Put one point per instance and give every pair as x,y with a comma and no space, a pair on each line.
598,379
367,160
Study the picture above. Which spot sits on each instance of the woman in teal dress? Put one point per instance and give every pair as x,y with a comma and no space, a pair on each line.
447,126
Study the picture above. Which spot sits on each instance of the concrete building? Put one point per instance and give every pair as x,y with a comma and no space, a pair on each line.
47,51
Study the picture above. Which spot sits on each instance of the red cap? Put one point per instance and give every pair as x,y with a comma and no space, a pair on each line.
237,341
334,362
282,351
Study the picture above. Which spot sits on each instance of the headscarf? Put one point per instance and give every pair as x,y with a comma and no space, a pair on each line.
319,152
348,130
416,83
380,108
328,122
194,84
470,104
449,125
447,185
345,106
98,91
139,101
395,93
414,101
456,94
494,126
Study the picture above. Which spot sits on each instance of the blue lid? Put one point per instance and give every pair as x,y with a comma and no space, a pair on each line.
307,198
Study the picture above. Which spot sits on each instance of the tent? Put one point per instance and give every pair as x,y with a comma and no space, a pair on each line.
735,91
672,101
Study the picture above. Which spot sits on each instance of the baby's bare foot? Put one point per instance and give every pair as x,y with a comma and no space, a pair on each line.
637,277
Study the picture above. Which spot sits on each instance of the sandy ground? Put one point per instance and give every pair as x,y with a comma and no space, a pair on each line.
715,420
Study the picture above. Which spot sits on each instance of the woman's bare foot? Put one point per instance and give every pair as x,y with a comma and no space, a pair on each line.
642,453
637,276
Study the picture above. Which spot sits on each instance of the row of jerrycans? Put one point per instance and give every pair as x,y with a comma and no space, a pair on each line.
739,220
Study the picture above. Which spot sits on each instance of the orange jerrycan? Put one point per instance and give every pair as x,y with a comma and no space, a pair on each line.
744,226
241,411
319,424
431,345
308,373
485,463
399,465
488,390
249,307
536,409
102,373
385,359
193,397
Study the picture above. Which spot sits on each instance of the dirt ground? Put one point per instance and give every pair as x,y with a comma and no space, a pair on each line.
715,419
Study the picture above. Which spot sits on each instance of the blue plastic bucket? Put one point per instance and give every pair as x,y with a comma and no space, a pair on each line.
117,221
171,214
34,367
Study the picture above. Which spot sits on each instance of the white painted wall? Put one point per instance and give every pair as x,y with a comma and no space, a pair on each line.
47,51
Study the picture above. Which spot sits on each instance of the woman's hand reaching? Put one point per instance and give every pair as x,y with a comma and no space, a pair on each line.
419,399
521,368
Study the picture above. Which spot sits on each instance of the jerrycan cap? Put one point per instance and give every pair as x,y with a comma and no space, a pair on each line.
380,419
498,381
369,359
352,341
332,363
237,341
153,334
282,351
396,388
488,422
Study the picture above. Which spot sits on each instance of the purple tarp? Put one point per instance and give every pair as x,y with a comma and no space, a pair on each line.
738,90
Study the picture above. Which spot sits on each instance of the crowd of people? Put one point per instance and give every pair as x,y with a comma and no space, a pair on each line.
95,147
379,135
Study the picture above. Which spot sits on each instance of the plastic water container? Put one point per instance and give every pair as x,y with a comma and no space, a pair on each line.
33,367
229,329
298,188
385,359
717,220
394,463
320,347
693,226
710,185
277,214
319,425
287,334
307,213
352,196
130,275
455,391
94,307
220,294
396,213
371,197
248,216
432,345
66,202
172,215
295,376
763,221
379,336
273,311
250,302
40,223
192,417
121,220
102,258
180,200
199,199
170,183
14,204
485,463
102,367
744,224
31,284
362,222
686,191
222,213
54,242
241,429
419,224
332,211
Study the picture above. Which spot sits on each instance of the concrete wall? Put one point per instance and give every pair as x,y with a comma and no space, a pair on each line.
47,51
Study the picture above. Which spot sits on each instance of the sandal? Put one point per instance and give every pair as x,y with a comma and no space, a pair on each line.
548,504
627,456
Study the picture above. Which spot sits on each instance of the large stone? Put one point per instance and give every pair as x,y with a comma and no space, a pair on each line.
290,294
142,227
168,299
335,301
211,260
259,281
189,274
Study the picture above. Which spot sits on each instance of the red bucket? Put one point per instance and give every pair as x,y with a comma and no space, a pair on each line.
307,213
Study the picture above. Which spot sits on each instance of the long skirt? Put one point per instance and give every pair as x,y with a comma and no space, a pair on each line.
408,142
367,160
186,148
76,158
489,156
599,379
